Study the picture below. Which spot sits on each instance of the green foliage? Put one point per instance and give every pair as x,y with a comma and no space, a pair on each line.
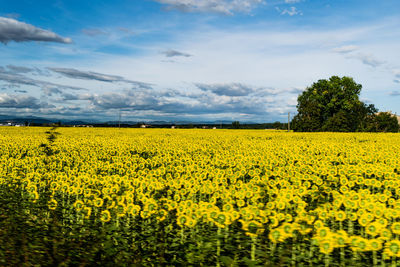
332,105
383,122
235,125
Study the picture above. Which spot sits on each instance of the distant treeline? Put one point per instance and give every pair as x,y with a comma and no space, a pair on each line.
234,125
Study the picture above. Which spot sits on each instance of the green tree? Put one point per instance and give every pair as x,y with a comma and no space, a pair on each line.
277,125
384,122
332,105
235,125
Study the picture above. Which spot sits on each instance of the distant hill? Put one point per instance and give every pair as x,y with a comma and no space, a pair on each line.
40,121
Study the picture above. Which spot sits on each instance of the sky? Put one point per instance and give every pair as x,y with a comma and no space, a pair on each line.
191,60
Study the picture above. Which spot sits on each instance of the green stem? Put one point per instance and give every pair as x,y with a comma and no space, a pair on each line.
218,246
253,248
342,257
327,260
226,234
350,225
374,258
356,257
272,251
182,235
310,255
294,252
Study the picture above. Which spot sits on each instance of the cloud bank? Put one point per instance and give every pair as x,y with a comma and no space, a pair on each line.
227,7
174,53
233,89
90,75
15,80
19,101
345,49
14,30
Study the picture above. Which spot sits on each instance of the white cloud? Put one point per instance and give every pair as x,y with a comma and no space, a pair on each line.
90,75
291,11
14,30
232,65
368,59
175,53
345,49
234,89
18,101
292,1
228,7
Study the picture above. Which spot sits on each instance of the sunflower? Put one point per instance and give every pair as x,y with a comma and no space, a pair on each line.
323,232
378,212
121,210
276,235
375,244
98,202
373,228
288,217
340,238
382,198
52,204
227,207
270,205
105,216
352,216
383,222
340,216
111,204
385,234
240,203
304,229
182,219
363,220
144,214
254,228
318,224
281,216
288,229
135,210
392,248
221,218
353,242
326,246
281,205
88,212
274,221
190,223
78,205
362,244
396,228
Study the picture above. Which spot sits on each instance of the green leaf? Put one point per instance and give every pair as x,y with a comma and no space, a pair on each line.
249,262
227,260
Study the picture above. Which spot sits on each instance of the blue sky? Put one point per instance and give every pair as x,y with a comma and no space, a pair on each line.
191,60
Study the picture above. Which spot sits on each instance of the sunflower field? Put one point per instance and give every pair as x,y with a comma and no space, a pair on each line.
170,197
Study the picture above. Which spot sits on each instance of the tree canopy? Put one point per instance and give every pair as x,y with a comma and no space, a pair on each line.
385,122
334,105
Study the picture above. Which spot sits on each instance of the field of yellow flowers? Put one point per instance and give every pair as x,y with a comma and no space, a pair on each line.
153,197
